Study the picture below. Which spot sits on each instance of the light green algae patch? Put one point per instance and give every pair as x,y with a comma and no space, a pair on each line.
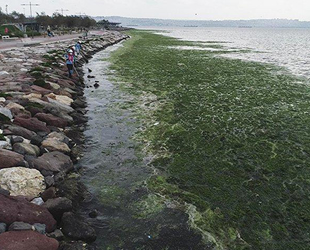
230,139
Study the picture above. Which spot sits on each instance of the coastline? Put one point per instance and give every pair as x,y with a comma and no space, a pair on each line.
42,117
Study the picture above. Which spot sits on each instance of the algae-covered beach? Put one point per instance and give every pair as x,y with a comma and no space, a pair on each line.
229,139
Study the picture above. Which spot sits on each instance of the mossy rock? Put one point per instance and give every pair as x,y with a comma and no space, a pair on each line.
4,118
2,138
4,95
41,83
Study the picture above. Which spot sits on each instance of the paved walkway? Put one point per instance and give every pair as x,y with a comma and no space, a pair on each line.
4,45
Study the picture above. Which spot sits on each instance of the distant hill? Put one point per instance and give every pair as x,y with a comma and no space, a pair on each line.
259,23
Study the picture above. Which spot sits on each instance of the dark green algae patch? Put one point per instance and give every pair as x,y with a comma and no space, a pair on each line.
230,137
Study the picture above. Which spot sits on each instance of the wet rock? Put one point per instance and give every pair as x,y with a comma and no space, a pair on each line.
93,214
76,228
58,206
57,234
2,227
96,85
53,144
22,181
10,159
54,161
27,240
14,209
17,130
89,76
26,149
51,120
20,226
61,106
49,193
32,124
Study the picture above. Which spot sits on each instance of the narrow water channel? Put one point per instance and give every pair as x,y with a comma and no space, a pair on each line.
115,171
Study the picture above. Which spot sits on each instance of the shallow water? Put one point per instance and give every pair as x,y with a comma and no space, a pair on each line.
289,48
115,170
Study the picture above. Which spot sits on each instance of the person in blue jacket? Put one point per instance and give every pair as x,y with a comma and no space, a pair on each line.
69,61
78,47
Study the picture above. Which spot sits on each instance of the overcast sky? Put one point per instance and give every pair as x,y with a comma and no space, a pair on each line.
172,9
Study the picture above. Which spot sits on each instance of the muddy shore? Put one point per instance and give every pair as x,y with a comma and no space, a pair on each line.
42,119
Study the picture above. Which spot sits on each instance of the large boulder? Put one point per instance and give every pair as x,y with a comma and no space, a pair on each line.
32,124
26,149
58,206
61,98
54,162
13,209
10,159
22,181
27,240
77,229
53,144
51,120
17,130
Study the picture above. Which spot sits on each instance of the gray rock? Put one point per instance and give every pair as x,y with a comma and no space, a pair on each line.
2,228
26,149
20,226
58,206
40,228
6,112
38,201
49,181
16,139
57,234
76,228
4,192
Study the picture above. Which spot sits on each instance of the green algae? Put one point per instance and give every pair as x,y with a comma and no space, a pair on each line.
232,138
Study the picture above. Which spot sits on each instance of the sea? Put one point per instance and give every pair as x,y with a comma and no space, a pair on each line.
284,47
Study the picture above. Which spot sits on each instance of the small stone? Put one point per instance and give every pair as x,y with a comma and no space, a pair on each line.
93,214
49,193
38,201
2,228
36,140
57,234
19,226
40,228
49,181
96,85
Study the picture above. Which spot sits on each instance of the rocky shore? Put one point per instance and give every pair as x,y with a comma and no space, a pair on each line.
42,114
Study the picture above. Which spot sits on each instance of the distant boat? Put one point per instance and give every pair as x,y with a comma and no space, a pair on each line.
191,26
246,27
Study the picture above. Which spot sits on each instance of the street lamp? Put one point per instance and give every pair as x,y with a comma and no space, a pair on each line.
30,5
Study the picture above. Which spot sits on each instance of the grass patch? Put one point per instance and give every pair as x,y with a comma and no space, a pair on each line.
237,135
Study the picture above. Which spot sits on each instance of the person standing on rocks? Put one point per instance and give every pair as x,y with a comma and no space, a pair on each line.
69,61
78,47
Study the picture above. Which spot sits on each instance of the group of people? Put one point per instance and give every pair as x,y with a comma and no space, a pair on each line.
71,55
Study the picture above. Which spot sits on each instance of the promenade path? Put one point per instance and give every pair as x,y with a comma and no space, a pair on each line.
4,45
